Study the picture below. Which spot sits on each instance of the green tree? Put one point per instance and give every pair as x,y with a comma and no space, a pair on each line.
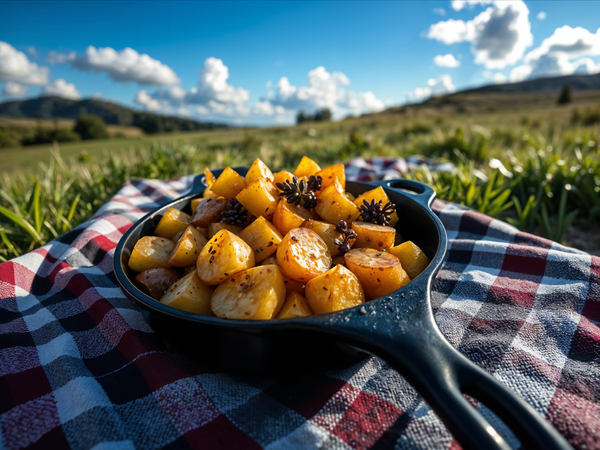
90,127
566,95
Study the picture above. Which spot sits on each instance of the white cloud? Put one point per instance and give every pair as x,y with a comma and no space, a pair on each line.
499,35
123,65
32,51
557,55
183,111
142,98
435,86
202,110
13,89
15,66
97,95
497,77
61,88
446,61
268,84
541,15
439,11
457,5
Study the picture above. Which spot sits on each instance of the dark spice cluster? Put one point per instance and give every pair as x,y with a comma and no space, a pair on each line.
349,233
300,191
235,214
374,212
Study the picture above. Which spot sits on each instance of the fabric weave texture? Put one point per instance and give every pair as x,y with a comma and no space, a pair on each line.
81,368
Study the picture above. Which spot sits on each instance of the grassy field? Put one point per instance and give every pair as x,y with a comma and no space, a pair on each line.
549,183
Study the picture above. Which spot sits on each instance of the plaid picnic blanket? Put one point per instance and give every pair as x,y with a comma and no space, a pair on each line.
80,368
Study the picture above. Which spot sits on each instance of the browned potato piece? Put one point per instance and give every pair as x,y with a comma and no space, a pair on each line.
223,255
151,252
306,167
333,205
188,248
371,235
336,289
255,294
189,294
258,170
303,255
189,269
195,202
208,211
269,260
172,222
412,258
339,259
379,273
209,177
176,238
377,194
208,193
327,232
215,227
263,237
229,184
329,175
155,282
288,216
290,285
282,176
295,306
260,198
203,231
349,196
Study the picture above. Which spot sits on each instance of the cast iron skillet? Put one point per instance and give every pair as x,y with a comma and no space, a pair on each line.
398,328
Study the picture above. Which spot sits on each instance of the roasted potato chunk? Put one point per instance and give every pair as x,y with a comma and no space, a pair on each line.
256,294
306,167
194,203
295,306
224,255
151,252
371,235
263,237
155,282
336,289
215,227
379,272
208,211
303,255
288,216
260,198
258,170
189,294
377,195
188,248
333,205
172,222
209,178
412,258
282,176
229,184
330,174
328,234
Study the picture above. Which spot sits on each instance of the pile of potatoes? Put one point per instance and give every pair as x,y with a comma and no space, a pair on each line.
285,262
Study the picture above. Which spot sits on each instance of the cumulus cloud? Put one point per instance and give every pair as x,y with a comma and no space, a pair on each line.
541,15
13,89
123,65
497,77
439,11
565,52
457,5
144,99
32,51
61,88
15,66
499,35
446,61
435,86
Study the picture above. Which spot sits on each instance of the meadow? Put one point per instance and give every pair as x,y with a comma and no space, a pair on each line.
521,159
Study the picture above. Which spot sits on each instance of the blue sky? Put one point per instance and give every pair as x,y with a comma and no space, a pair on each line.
261,62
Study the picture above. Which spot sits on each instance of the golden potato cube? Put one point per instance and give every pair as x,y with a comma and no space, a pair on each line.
379,272
258,198
295,306
208,193
155,282
333,206
188,248
189,294
412,258
223,255
263,237
377,194
255,294
303,255
306,167
203,231
229,184
336,289
349,196
288,216
327,232
151,252
371,235
290,285
209,178
270,260
329,174
208,211
215,227
172,222
258,170
282,176
194,203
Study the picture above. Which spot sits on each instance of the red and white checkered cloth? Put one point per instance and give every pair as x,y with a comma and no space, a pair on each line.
79,366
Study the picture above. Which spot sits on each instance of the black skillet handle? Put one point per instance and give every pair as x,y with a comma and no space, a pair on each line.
419,192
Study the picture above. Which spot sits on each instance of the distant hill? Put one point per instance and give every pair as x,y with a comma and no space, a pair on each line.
545,85
111,113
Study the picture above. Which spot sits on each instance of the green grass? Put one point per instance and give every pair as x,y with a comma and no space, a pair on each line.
551,166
